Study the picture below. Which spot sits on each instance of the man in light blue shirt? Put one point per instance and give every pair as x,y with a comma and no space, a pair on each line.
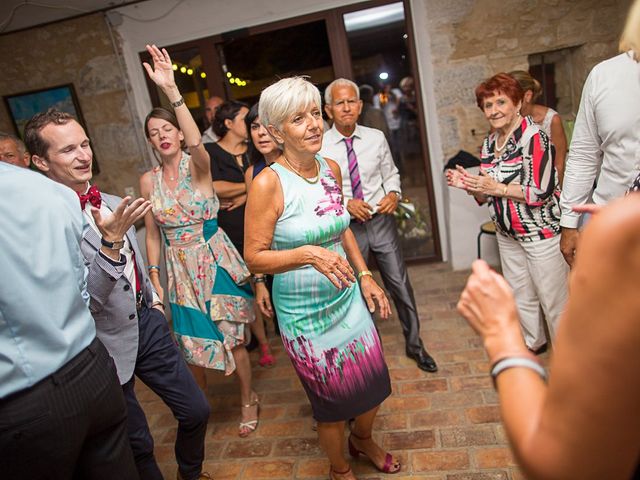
62,413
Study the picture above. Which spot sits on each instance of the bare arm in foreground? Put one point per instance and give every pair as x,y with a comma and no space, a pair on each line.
586,423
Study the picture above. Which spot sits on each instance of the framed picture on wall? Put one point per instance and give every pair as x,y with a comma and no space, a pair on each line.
23,106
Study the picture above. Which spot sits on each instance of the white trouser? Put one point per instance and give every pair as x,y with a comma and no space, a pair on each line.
538,273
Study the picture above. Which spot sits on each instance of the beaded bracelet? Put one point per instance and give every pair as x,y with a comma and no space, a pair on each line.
150,268
514,362
260,279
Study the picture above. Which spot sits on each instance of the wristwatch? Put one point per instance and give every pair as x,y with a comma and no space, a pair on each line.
398,194
112,245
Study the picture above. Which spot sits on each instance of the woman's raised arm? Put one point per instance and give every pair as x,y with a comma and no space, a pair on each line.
162,75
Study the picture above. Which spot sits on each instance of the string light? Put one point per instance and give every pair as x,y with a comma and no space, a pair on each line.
183,69
175,67
203,75
189,71
229,75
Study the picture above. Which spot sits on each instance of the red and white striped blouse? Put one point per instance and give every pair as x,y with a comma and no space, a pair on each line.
527,160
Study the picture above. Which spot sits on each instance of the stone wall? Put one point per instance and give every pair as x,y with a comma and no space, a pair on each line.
79,51
473,39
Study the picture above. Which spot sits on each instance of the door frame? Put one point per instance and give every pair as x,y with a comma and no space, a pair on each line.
341,59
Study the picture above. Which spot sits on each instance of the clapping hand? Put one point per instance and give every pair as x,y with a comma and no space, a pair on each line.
162,71
478,184
454,177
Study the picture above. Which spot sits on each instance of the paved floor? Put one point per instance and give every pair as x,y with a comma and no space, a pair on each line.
443,426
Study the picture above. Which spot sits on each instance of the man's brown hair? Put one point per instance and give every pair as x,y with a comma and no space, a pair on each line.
32,137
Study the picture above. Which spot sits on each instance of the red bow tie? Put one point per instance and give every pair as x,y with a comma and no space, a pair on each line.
92,196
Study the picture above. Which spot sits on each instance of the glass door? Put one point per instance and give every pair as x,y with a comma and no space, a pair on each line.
378,39
251,63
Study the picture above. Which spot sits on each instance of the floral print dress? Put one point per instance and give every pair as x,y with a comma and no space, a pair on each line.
209,291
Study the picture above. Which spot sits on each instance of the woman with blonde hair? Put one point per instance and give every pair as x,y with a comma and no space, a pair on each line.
548,119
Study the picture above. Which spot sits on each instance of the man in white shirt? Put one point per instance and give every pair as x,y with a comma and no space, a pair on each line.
211,106
605,147
371,186
127,311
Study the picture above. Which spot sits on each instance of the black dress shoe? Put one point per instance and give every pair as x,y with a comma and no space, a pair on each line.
424,360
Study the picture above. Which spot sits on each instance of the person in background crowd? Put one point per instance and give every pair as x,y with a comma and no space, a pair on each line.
300,232
262,152
371,185
517,178
228,164
209,292
62,412
389,101
372,117
548,119
604,144
13,151
211,107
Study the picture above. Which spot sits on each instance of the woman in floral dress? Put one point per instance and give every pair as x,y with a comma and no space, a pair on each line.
209,291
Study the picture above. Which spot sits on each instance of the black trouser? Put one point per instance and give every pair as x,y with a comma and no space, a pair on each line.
161,366
71,425
380,236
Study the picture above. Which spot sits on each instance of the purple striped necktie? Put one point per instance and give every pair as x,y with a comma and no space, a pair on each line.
354,173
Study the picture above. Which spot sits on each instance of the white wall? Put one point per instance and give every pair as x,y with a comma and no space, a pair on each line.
458,219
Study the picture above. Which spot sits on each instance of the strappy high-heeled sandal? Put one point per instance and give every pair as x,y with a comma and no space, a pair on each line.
390,464
247,428
266,359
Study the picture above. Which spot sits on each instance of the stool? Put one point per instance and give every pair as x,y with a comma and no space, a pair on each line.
488,228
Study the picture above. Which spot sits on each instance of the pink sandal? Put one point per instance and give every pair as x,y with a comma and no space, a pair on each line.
266,359
391,465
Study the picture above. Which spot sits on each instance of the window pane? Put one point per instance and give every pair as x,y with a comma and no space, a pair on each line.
378,44
259,60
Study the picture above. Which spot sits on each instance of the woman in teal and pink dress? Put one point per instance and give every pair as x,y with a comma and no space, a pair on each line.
209,292
298,229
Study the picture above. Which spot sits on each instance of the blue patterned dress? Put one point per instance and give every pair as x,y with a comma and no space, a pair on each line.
328,332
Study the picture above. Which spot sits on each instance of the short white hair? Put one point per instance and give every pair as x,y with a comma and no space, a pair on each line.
286,97
339,82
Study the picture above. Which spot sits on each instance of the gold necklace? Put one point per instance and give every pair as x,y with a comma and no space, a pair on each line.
513,129
297,172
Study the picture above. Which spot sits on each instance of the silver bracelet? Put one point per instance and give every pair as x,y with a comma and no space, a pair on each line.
513,362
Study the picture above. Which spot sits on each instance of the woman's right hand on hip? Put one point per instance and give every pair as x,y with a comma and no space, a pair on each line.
332,265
